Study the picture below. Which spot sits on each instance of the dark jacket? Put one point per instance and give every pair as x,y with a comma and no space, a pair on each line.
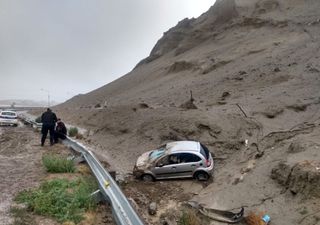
61,128
49,118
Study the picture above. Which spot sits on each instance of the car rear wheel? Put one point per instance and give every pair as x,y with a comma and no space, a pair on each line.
147,177
201,176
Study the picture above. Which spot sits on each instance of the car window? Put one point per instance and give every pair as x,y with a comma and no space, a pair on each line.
164,161
189,157
169,160
8,114
204,151
174,159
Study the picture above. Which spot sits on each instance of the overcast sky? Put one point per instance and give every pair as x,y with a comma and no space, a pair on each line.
69,47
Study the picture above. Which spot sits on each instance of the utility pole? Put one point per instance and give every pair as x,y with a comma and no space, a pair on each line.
48,92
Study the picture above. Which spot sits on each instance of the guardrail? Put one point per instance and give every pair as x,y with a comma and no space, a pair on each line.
122,211
30,121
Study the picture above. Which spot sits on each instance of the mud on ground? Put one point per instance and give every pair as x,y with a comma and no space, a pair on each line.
20,160
21,168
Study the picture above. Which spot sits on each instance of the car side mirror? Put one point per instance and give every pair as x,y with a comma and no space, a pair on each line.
160,165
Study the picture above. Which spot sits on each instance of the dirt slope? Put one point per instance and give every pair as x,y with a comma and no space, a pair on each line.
253,69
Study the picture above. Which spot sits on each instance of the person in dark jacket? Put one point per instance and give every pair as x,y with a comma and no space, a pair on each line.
60,132
48,120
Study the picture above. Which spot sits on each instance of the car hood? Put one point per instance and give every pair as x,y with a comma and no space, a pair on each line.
143,160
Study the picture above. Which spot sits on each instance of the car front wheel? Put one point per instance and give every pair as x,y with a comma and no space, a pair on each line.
147,178
201,176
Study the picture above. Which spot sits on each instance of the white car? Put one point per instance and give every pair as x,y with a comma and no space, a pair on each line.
8,118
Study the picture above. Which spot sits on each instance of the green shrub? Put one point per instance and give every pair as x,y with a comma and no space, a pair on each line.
189,218
58,164
73,131
38,119
60,198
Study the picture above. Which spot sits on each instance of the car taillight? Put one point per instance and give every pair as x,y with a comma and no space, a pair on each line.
208,162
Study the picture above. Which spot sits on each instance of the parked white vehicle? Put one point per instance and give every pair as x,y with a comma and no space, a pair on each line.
8,118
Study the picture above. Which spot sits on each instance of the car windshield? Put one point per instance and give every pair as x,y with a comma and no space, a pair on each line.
156,153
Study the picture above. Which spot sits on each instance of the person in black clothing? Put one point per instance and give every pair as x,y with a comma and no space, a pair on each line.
48,120
60,132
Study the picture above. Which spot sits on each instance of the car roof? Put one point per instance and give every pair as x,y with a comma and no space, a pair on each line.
180,146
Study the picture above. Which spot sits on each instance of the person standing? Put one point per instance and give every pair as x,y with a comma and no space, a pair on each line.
60,132
48,120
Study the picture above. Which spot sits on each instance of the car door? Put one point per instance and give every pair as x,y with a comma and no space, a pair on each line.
166,167
188,163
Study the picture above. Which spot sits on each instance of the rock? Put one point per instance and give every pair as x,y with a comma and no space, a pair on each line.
143,105
300,178
305,179
277,69
314,70
298,107
272,111
152,209
296,147
222,102
121,178
188,105
225,95
281,173
237,180
180,66
133,203
165,221
249,167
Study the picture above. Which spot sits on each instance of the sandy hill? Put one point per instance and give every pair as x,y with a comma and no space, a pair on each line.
253,69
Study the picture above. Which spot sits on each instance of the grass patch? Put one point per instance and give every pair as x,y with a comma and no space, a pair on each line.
58,164
61,199
21,216
73,131
189,217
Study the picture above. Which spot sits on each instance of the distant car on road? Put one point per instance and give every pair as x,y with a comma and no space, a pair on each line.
8,118
180,159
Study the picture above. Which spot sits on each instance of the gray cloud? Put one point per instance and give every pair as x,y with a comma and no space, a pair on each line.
74,46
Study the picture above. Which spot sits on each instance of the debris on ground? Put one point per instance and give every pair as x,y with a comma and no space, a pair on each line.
218,215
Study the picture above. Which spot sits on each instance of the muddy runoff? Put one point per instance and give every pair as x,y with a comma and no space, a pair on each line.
21,169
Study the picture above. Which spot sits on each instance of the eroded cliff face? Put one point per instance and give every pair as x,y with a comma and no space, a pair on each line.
189,33
244,79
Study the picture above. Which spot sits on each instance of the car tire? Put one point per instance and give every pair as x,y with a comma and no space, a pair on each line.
201,176
147,178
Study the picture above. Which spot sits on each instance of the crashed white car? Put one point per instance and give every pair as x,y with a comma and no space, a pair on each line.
180,159
8,118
